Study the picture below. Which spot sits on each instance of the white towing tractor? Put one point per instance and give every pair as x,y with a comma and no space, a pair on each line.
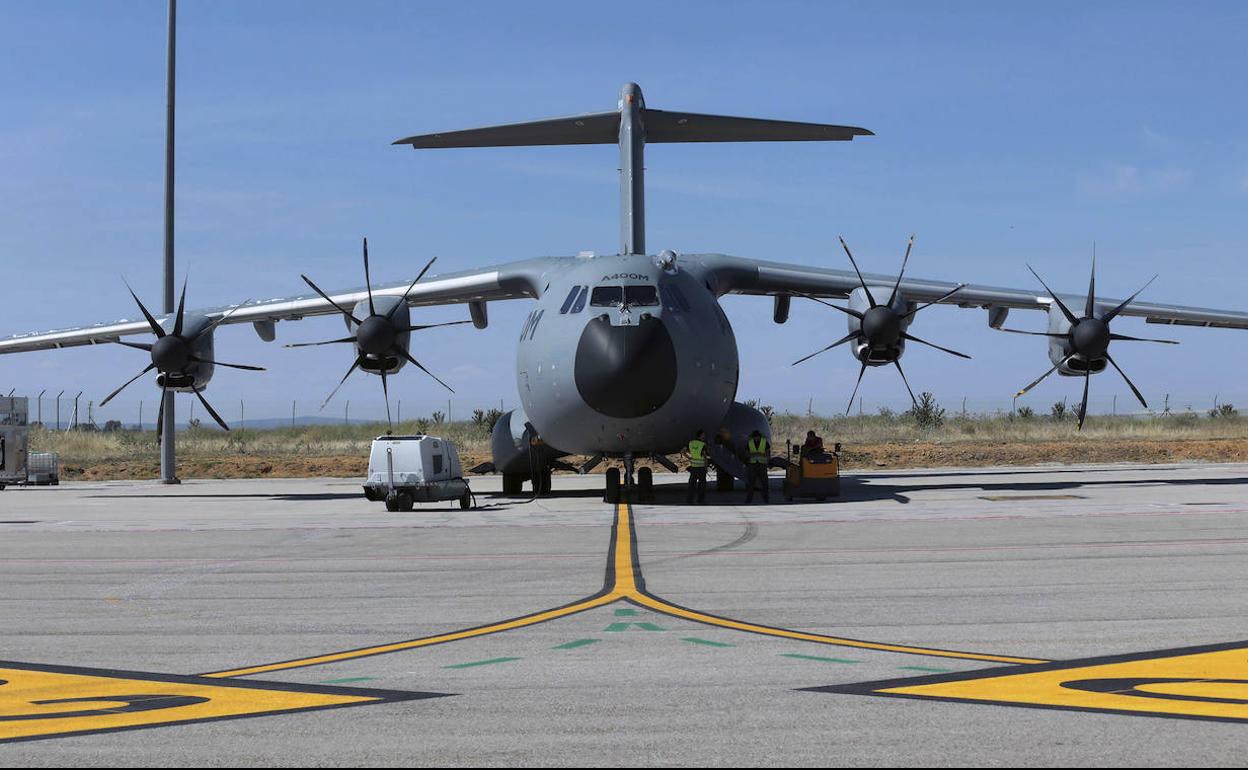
403,470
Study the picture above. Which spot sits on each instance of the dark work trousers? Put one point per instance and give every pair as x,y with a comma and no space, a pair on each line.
697,483
756,473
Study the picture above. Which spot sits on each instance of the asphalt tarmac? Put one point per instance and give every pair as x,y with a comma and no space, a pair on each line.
1037,616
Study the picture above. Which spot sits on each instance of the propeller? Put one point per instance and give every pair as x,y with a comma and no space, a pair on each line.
173,353
1088,338
882,327
376,336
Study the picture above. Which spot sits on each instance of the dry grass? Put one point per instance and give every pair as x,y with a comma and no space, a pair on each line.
870,441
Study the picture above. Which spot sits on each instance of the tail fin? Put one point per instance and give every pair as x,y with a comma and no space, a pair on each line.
631,126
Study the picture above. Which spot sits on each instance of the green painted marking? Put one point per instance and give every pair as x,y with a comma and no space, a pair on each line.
707,642
926,668
615,627
489,662
576,643
816,657
349,679
626,613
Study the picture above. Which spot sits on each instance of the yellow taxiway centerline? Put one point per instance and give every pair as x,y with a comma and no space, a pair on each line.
622,584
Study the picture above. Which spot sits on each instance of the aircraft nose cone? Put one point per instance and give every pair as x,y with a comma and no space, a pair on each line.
625,371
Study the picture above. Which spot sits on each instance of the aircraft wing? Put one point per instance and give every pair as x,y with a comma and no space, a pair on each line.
738,275
508,281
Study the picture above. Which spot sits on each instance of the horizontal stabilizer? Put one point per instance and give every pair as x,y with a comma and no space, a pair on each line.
596,128
663,126
659,126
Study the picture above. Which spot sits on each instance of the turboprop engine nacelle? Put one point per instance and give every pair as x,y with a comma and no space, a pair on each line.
1062,349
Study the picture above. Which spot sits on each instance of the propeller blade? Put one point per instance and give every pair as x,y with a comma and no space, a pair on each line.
325,297
841,341
912,338
904,260
1037,381
1090,307
854,395
208,406
135,345
109,397
897,363
385,390
413,284
859,272
313,344
160,414
1125,338
1111,315
430,326
1061,305
245,367
210,328
418,365
940,299
1035,334
1083,405
368,282
358,360
845,310
157,329
177,320
1127,379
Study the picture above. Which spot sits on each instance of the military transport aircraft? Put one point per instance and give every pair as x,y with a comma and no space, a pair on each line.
626,355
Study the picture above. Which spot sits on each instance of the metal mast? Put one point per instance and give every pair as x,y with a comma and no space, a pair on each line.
168,442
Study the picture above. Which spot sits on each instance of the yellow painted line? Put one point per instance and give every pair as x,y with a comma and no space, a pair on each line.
1202,683
454,636
659,605
622,585
51,701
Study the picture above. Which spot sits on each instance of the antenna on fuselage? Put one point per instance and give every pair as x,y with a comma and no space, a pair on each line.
631,125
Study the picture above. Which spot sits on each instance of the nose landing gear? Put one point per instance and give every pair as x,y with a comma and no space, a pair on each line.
620,487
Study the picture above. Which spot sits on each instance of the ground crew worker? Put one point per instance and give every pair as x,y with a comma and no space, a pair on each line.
697,467
813,445
756,470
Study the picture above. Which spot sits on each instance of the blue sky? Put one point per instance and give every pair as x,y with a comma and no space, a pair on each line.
1005,134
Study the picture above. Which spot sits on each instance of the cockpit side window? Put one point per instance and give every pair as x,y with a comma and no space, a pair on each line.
579,305
643,295
567,303
607,296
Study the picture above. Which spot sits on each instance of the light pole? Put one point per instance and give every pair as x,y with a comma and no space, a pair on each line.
168,438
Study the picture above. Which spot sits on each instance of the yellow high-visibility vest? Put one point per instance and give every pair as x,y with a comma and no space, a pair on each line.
697,453
758,450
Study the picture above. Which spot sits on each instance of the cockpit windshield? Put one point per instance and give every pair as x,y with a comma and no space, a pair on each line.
607,296
641,296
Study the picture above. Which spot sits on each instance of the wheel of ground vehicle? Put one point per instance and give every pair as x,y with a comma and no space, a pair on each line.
613,486
465,502
513,483
645,485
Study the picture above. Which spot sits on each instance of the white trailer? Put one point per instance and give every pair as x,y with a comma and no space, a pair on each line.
14,440
403,470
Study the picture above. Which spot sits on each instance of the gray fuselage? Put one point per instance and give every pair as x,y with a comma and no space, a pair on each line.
622,355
